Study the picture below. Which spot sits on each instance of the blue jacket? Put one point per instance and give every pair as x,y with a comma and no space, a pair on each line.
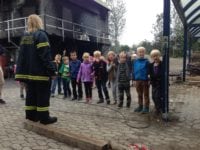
74,66
140,69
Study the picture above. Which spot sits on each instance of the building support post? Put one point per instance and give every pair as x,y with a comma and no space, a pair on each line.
190,51
166,38
185,51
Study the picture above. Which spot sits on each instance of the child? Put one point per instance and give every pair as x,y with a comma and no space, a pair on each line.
56,62
86,75
123,78
74,68
65,74
140,73
101,77
155,71
112,72
22,89
1,85
22,85
133,58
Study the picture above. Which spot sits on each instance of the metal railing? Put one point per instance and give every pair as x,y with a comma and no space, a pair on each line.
58,26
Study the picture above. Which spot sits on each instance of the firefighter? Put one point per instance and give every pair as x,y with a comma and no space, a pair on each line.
35,68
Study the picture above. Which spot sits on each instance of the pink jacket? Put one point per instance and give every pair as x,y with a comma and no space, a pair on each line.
85,72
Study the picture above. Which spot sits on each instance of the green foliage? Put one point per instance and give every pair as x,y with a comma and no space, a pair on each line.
134,47
176,35
147,44
195,45
117,20
125,48
158,32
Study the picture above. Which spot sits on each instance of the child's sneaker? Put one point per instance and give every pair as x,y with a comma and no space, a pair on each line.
108,101
138,109
128,105
145,110
90,100
79,98
120,105
64,97
100,101
22,96
74,98
2,101
87,100
114,103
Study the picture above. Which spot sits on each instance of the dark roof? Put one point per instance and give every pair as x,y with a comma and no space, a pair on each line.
189,11
103,4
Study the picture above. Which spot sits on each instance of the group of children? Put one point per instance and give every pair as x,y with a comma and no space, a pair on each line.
118,71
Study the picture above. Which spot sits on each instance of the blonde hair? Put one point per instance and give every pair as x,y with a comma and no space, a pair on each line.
111,53
65,58
141,49
155,52
58,55
133,56
97,53
85,55
34,23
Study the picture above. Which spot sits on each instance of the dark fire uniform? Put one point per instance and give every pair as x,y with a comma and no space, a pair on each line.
35,67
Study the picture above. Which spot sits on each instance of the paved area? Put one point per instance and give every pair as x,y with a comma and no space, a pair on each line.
108,123
121,127
12,134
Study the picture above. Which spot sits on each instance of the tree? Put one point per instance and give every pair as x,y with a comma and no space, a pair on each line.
177,35
134,47
158,32
147,44
117,20
195,45
125,48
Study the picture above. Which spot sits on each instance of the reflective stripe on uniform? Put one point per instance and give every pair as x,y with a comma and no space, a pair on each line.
42,108
30,77
44,44
30,108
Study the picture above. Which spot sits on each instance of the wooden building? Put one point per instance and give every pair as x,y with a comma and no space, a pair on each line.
80,25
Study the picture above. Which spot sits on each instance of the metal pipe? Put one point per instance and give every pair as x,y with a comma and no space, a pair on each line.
166,36
185,51
63,31
190,46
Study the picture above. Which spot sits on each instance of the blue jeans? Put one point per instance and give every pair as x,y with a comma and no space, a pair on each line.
59,84
54,83
66,88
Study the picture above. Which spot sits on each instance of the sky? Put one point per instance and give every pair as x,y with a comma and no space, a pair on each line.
140,16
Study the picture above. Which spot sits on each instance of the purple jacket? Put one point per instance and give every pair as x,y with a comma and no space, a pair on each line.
85,72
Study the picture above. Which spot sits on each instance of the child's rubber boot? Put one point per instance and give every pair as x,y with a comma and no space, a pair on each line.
138,109
145,110
120,105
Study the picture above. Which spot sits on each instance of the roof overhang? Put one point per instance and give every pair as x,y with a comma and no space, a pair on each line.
189,12
103,4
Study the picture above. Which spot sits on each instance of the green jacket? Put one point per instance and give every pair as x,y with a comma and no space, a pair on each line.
65,72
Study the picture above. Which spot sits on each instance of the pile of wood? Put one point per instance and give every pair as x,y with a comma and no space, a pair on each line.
194,81
194,66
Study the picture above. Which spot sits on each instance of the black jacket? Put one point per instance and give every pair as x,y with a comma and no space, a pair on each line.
34,61
100,71
156,79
